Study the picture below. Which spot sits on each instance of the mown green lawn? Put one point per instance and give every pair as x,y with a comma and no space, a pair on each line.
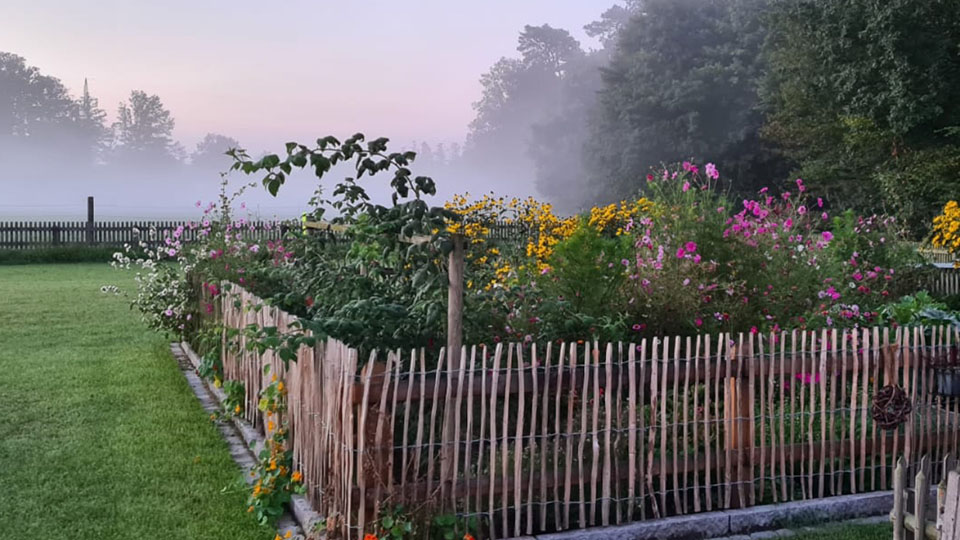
100,436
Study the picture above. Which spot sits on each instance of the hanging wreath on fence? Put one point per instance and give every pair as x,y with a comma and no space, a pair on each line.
891,407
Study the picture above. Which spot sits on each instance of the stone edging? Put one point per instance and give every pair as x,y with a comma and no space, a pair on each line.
245,443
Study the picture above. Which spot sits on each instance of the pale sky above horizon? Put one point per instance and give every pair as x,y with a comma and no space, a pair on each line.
265,73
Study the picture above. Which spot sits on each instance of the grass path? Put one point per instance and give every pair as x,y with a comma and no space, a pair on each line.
100,436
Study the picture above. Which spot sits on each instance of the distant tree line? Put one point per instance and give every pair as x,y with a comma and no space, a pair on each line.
38,116
860,98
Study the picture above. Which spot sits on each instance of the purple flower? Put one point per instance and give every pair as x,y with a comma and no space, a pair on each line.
827,236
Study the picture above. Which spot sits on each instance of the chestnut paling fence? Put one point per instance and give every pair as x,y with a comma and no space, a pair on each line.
526,438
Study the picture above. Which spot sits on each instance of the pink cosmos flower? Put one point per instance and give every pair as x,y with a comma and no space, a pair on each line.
686,187
690,247
819,202
687,166
802,210
680,252
788,223
711,171
827,236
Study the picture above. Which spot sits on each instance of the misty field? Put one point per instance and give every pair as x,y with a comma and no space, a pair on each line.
100,436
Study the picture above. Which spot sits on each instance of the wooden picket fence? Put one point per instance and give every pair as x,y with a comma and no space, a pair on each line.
946,281
39,234
532,438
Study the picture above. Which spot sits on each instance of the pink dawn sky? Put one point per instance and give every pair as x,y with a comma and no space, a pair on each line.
268,72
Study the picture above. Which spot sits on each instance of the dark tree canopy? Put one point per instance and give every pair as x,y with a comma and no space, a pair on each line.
37,113
681,84
864,96
144,130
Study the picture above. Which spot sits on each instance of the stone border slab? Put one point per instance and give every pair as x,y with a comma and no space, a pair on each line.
742,521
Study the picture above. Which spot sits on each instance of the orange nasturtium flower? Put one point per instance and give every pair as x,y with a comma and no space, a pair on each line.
369,536
297,476
468,536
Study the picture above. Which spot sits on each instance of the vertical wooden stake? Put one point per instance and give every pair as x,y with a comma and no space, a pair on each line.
455,270
898,498
920,501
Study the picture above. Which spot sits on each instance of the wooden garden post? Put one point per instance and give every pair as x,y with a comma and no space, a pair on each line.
90,236
455,303
455,270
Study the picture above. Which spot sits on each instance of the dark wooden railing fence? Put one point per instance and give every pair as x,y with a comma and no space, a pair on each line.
39,234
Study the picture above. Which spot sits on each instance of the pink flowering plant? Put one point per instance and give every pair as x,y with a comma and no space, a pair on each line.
178,280
699,261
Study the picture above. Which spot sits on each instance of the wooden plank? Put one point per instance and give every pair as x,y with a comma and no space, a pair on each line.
404,450
707,424
949,528
641,439
677,502
729,414
568,465
920,501
832,362
457,408
544,438
432,440
685,441
853,411
607,452
899,499
582,515
663,425
618,428
493,437
505,445
595,435
761,362
654,408
782,337
632,428
518,447
556,437
418,444
482,430
695,427
361,446
864,428
794,385
468,438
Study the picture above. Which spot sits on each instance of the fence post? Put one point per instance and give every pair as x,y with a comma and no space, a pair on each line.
899,494
90,237
455,272
56,234
920,501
